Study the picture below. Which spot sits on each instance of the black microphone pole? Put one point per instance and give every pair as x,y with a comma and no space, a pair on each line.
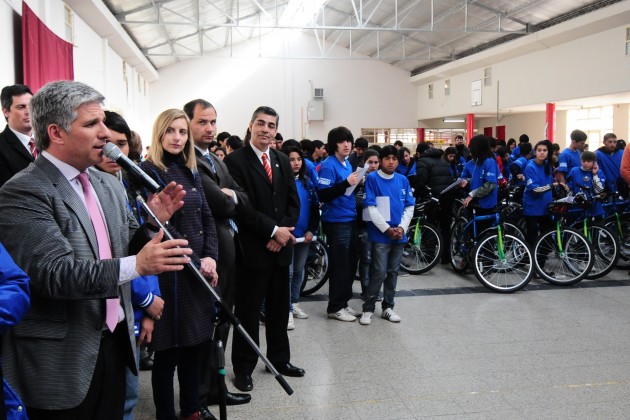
226,311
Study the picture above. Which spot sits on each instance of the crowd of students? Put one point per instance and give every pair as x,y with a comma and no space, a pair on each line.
244,212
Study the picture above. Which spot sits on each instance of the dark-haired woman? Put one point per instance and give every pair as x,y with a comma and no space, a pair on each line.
538,192
482,173
406,165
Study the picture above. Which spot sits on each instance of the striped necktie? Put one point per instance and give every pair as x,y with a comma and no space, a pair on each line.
31,147
265,161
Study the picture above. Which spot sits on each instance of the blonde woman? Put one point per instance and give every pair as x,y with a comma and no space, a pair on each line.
187,318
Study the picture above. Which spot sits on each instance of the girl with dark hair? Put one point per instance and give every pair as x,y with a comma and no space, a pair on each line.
538,191
482,173
306,228
406,165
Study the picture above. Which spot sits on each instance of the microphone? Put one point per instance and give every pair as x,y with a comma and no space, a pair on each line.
114,153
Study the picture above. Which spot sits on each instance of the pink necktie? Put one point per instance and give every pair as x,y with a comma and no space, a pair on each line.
104,251
267,166
31,146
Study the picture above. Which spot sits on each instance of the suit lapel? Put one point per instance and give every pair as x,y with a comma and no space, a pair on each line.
71,199
257,165
16,144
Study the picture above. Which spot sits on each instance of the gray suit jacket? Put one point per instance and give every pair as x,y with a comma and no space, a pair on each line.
50,356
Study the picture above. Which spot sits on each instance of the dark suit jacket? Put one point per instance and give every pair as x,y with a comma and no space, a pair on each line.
13,155
271,205
50,356
223,207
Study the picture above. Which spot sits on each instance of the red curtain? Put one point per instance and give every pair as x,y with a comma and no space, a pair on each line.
500,132
46,57
487,131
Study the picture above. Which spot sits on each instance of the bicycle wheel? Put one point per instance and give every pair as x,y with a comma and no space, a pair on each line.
563,256
622,230
502,267
315,269
423,249
605,246
459,249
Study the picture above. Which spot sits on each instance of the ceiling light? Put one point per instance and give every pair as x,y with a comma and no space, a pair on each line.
453,120
299,13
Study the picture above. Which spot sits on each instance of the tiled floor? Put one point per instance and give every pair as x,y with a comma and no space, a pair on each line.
459,353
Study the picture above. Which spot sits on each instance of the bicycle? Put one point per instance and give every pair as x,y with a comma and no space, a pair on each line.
316,267
604,242
562,255
617,218
501,260
424,246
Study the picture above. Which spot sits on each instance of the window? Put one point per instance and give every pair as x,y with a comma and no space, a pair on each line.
447,87
487,76
431,91
69,23
628,41
390,135
595,122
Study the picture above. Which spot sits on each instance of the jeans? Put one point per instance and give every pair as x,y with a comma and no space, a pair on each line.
296,271
133,382
341,263
365,251
383,272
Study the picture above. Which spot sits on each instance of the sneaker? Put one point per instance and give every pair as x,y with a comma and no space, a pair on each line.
342,315
298,312
366,318
291,323
352,311
390,315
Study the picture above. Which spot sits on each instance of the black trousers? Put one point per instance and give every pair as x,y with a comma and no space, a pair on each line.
105,398
252,286
209,385
535,225
187,360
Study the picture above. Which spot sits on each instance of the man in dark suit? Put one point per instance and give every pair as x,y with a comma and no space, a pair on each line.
15,151
68,226
224,197
265,239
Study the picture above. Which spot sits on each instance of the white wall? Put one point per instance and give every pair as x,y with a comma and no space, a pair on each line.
557,64
357,93
95,63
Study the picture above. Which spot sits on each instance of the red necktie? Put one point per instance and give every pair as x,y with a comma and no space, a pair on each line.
104,250
267,166
31,146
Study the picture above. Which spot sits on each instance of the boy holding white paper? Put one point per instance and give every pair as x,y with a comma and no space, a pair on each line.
389,203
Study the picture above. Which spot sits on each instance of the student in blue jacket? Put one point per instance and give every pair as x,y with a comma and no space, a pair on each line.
339,215
386,232
518,166
14,303
609,161
481,172
588,178
538,191
306,228
406,164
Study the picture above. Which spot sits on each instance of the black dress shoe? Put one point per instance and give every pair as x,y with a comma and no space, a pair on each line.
243,382
287,369
205,414
233,398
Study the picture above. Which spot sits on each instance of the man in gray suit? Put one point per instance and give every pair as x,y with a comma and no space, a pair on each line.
63,358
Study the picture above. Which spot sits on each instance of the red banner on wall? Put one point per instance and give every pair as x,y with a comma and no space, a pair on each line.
45,56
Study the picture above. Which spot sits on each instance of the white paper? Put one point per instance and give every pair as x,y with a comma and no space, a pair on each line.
453,185
300,240
382,205
360,172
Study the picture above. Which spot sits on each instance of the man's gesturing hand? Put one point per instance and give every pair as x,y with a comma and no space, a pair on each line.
157,256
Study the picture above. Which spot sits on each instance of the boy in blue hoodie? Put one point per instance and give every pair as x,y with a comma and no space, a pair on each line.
389,202
588,178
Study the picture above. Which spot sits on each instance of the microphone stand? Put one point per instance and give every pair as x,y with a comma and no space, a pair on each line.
223,307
